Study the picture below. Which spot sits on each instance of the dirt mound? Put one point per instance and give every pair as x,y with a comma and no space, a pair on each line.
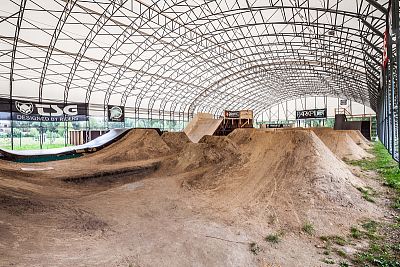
240,136
138,144
137,154
358,138
211,151
290,175
175,140
341,144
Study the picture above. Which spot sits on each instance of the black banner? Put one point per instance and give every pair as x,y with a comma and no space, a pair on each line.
25,110
116,113
232,114
311,114
274,125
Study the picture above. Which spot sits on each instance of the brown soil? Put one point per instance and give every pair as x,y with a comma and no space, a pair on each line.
359,139
291,172
175,140
341,143
159,201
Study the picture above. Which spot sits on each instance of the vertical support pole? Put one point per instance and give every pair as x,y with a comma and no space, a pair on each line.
14,51
287,115
396,31
278,113
269,117
338,105
326,107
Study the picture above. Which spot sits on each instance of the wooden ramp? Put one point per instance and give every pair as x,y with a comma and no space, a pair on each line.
201,125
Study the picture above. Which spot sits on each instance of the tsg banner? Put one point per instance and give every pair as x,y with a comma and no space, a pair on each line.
24,110
311,114
116,113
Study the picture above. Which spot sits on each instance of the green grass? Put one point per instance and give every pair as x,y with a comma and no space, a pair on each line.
328,261
383,164
34,146
29,143
341,253
308,228
383,250
356,233
334,239
273,238
367,193
343,264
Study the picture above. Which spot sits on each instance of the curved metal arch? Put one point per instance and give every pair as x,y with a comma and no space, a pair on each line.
111,9
15,43
259,108
350,80
329,57
253,90
69,5
222,54
171,91
336,51
170,21
125,35
327,50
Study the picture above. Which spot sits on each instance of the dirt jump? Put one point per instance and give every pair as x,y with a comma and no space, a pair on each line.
346,144
151,200
202,124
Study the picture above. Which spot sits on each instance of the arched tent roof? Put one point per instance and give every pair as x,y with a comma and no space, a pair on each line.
196,55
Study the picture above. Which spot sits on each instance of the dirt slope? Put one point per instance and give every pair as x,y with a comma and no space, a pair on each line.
175,140
358,138
341,144
291,176
140,150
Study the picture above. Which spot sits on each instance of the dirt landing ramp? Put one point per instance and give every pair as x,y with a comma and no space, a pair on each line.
290,177
341,143
201,125
358,138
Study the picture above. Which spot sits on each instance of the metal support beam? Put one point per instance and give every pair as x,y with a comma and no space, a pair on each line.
379,51
378,6
372,28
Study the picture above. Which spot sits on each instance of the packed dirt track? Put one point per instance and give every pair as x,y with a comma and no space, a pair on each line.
151,200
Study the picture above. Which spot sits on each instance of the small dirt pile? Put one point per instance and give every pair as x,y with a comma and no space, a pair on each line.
291,176
175,140
341,144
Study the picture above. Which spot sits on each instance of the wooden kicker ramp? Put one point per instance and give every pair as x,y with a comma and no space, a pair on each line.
202,124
